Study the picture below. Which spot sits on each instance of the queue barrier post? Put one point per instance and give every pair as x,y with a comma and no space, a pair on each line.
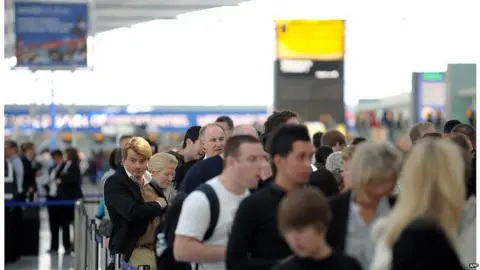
103,251
143,267
80,236
117,260
93,246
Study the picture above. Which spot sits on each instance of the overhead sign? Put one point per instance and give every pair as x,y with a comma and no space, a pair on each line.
310,39
330,70
51,35
429,94
97,121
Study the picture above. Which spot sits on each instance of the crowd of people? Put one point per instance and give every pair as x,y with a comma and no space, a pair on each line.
234,198
29,176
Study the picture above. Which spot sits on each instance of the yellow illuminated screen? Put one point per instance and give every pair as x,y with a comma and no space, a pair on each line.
310,39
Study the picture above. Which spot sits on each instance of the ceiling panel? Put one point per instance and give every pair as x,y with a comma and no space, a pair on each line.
112,14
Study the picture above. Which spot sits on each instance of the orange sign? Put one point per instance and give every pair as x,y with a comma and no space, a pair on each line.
310,39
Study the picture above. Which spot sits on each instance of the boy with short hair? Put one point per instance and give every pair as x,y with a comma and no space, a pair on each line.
303,219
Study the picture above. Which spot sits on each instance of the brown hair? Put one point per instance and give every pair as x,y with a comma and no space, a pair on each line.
332,137
138,145
26,146
462,141
277,118
467,130
418,130
302,208
72,155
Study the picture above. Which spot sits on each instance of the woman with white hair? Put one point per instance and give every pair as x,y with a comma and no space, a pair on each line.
373,172
162,168
421,232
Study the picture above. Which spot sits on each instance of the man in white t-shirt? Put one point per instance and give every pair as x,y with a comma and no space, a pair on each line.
244,158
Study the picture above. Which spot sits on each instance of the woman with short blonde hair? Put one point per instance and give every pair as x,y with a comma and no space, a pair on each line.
374,163
433,188
162,167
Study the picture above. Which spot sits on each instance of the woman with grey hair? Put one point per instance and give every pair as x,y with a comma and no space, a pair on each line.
335,165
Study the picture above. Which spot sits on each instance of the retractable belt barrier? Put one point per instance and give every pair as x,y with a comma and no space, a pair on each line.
46,203
86,196
91,252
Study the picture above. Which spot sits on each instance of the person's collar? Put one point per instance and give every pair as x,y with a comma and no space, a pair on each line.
220,155
147,176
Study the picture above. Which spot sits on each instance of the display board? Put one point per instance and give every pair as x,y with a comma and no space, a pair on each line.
310,39
428,94
51,36
309,69
94,121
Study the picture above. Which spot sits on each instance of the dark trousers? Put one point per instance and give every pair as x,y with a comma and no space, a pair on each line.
13,220
59,217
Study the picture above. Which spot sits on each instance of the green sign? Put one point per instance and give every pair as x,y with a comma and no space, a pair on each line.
432,76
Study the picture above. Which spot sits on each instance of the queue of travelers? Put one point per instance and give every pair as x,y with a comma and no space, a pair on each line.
231,198
26,177
238,204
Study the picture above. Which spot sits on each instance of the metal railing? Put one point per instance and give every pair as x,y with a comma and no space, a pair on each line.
91,252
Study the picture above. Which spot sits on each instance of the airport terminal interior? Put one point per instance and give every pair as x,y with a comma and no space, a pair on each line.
82,74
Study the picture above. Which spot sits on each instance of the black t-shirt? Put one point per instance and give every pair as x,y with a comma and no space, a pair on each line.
181,171
255,242
336,261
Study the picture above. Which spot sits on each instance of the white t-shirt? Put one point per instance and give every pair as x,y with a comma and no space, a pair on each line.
195,218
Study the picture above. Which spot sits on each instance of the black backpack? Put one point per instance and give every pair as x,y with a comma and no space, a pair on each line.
166,231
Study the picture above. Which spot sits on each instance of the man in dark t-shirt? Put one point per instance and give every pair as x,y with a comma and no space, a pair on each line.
190,153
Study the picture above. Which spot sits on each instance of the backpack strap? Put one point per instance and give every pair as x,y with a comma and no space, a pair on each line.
214,204
214,208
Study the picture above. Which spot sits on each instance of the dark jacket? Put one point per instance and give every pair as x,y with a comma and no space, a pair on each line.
70,187
424,245
57,175
337,230
128,212
28,174
182,170
201,172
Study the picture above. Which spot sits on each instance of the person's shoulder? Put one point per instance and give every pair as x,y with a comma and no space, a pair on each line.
196,199
190,163
212,160
423,224
116,178
339,198
196,202
289,263
256,197
348,262
423,233
206,165
197,165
